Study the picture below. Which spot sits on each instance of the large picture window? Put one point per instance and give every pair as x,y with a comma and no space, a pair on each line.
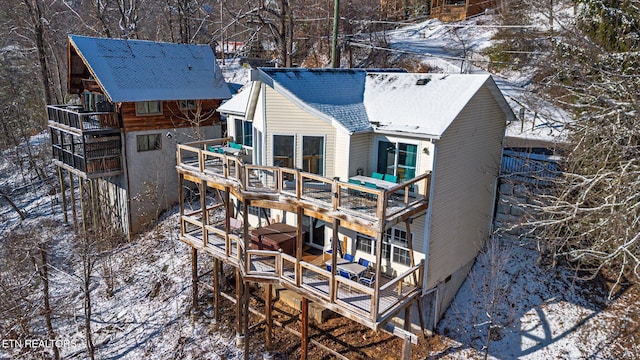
148,108
396,158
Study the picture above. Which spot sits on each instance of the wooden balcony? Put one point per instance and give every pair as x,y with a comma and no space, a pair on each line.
365,210
89,144
73,119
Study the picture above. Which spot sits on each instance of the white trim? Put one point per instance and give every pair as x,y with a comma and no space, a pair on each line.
427,224
324,150
273,145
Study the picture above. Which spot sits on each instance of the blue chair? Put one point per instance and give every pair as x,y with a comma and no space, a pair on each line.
368,279
346,274
364,262
370,185
354,181
391,178
349,257
328,268
377,175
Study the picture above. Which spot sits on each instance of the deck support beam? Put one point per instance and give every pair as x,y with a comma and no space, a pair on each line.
239,313
73,203
216,293
268,296
194,281
304,346
82,209
245,318
63,195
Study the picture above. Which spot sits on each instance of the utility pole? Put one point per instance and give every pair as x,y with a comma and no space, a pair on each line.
335,62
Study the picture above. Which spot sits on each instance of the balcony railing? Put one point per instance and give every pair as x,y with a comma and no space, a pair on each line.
93,156
334,195
71,117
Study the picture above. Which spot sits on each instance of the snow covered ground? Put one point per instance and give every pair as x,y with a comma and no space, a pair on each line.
535,312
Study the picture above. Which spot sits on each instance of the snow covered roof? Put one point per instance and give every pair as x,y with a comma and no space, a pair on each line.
138,70
393,101
238,104
419,103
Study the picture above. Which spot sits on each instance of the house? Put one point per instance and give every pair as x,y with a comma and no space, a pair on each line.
456,10
393,170
134,101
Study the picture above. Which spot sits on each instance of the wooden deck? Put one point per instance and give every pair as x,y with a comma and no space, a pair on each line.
367,211
351,296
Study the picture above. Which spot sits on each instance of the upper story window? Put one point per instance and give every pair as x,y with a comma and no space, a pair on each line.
148,108
397,158
244,132
283,146
149,142
187,104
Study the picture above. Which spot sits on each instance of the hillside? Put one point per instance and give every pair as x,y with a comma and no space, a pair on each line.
141,290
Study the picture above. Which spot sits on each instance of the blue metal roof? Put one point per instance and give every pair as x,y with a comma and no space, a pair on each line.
138,70
336,93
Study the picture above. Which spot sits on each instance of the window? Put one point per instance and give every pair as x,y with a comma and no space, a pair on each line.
283,146
398,242
365,244
394,246
259,212
187,104
244,132
396,158
149,142
148,108
313,154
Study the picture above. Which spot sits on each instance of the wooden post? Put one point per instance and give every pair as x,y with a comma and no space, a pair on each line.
203,205
376,288
63,195
406,349
417,281
194,280
239,337
93,194
227,224
82,211
334,259
216,292
299,244
73,203
247,295
304,328
181,201
268,317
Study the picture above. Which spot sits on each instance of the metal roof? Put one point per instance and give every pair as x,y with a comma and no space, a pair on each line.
392,101
138,70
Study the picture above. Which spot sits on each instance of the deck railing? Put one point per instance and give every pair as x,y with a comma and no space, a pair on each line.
332,194
74,117
376,303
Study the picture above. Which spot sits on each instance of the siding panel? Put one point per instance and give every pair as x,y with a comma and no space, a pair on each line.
170,118
285,118
468,161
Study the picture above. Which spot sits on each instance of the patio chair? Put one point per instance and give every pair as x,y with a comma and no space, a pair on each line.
368,279
328,268
377,175
347,274
364,262
390,178
349,257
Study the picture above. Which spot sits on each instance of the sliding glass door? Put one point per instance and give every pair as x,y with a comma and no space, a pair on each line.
397,158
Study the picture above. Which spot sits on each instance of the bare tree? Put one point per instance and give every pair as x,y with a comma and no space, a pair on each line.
591,214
